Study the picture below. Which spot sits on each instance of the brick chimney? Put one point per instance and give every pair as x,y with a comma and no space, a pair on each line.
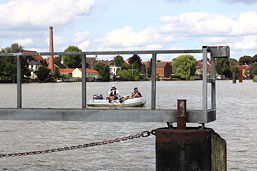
51,49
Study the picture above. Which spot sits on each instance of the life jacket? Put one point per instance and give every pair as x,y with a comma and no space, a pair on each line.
113,92
136,92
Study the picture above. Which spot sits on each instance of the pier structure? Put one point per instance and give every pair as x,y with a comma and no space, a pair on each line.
177,148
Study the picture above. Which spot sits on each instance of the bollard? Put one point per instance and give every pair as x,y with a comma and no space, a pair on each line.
240,76
189,149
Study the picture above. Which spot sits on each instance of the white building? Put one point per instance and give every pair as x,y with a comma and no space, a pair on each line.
114,70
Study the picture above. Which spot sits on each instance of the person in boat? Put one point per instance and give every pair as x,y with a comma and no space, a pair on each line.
113,93
136,93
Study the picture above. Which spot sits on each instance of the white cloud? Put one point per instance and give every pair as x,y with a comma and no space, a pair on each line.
126,37
81,36
202,23
84,45
40,13
246,42
242,1
215,40
58,40
24,42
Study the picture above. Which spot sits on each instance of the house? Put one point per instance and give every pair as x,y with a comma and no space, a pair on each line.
36,62
245,70
199,67
90,61
67,72
114,69
163,69
91,74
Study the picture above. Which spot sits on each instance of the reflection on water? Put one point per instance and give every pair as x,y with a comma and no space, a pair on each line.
236,113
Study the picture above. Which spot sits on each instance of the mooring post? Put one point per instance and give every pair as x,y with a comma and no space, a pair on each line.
185,149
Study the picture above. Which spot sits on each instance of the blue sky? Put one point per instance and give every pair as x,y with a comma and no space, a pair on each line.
129,25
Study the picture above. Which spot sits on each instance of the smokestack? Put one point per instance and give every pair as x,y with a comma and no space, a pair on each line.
51,49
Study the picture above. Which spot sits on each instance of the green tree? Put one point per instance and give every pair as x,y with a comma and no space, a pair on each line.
103,69
118,61
254,59
129,74
253,69
233,62
8,68
56,73
58,58
184,66
223,67
234,69
135,62
43,73
72,61
245,60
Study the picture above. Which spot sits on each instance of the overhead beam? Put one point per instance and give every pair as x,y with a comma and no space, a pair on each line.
103,52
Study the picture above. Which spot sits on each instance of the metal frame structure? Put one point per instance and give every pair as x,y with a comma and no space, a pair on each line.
198,116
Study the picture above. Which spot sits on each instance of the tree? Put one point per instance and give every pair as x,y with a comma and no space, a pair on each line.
72,61
234,69
56,73
118,61
129,74
253,69
8,64
223,67
245,60
43,73
184,66
254,59
103,69
135,62
233,62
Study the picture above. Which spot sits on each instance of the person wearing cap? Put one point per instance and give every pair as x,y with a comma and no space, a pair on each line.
113,93
136,93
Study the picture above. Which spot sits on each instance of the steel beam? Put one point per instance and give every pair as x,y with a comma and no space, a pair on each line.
103,115
103,52
153,87
19,82
205,81
84,82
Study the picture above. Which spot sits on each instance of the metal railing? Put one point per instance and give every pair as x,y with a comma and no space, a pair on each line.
206,115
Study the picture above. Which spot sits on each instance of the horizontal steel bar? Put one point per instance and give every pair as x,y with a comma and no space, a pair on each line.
103,52
101,115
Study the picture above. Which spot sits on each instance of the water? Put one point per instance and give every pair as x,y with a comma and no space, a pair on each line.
236,122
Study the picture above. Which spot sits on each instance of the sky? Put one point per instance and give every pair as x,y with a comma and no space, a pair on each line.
131,25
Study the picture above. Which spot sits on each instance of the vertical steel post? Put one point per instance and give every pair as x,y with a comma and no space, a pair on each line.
205,79
19,82
84,82
213,83
153,93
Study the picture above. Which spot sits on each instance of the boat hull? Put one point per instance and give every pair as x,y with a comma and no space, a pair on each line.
136,102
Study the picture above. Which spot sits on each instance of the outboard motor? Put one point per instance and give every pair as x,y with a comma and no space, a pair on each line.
97,97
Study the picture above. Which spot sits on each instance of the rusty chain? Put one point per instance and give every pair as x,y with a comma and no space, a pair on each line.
74,147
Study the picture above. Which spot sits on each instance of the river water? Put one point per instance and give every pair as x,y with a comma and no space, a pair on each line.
236,123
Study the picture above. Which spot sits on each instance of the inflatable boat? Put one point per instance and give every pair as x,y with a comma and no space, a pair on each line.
135,102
